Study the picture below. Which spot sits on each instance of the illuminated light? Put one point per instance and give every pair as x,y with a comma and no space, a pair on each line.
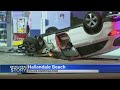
50,54
114,32
116,23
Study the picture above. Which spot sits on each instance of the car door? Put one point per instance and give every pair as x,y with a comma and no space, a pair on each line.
65,45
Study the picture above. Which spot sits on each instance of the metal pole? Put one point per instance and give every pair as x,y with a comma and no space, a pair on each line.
9,29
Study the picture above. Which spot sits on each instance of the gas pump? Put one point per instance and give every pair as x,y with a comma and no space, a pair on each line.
19,30
21,25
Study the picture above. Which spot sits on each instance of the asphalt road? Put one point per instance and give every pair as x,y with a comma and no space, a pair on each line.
18,58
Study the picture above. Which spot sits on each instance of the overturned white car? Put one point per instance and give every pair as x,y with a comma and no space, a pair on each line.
95,36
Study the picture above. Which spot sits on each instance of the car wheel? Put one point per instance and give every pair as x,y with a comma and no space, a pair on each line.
51,30
31,45
92,22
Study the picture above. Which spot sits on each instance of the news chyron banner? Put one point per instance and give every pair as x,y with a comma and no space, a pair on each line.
59,68
13,68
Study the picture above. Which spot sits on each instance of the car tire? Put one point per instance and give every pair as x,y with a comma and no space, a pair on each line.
31,45
92,22
51,30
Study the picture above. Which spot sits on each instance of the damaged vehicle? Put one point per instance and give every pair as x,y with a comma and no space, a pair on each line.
95,36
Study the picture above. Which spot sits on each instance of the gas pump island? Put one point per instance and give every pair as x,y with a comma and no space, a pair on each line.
13,27
13,24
